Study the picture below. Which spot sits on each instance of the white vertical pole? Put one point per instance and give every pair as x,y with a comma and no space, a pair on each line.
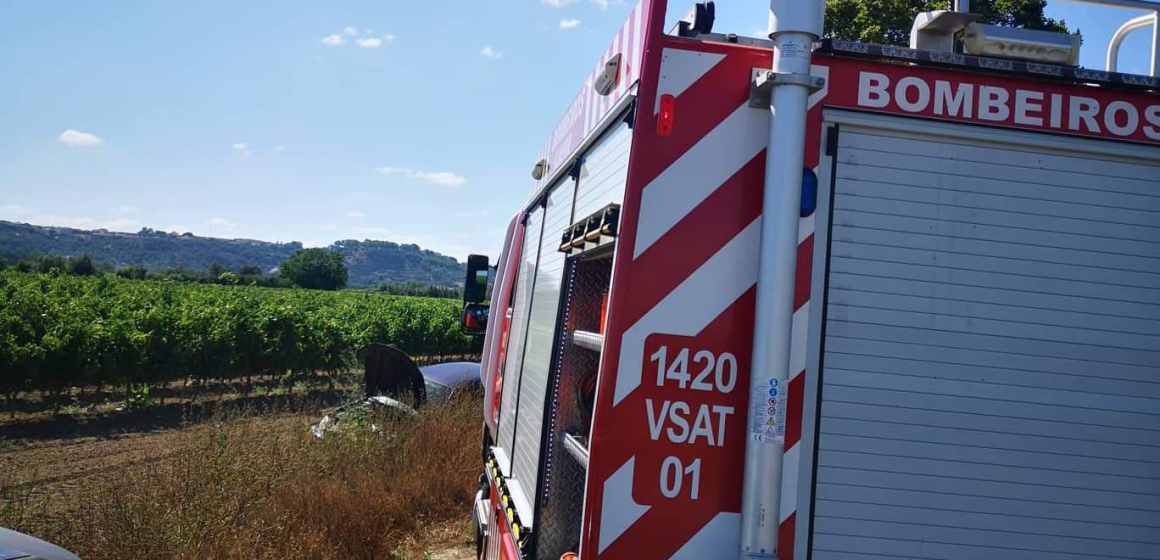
1155,44
794,25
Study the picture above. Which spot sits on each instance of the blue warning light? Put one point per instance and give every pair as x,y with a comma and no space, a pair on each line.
809,193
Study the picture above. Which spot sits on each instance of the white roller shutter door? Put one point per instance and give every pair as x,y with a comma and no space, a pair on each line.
991,359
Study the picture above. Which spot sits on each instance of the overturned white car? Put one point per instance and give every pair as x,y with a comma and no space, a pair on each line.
395,385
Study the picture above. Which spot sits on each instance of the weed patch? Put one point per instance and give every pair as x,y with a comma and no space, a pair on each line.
268,490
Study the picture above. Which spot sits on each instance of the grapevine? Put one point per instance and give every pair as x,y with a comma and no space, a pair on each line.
59,332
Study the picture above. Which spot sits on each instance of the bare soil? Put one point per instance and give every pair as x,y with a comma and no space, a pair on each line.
55,454
54,469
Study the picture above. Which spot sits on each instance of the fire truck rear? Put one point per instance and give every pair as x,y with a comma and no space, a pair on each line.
817,299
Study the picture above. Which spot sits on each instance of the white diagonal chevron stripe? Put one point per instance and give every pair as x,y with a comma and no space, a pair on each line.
806,226
820,72
692,305
799,331
720,534
707,165
618,511
680,69
789,482
698,172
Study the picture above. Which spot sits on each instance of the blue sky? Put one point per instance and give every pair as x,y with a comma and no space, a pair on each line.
311,121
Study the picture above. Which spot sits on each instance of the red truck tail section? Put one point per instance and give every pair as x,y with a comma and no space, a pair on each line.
671,418
671,421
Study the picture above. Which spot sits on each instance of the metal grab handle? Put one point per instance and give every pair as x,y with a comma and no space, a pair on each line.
576,449
1147,20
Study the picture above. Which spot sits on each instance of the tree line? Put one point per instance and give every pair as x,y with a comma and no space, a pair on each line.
306,270
888,22
370,263
84,265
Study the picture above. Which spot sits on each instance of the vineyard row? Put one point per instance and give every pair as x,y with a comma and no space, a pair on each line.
58,332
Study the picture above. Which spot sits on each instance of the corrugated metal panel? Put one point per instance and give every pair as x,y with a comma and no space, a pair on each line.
991,370
541,332
517,334
604,172
537,299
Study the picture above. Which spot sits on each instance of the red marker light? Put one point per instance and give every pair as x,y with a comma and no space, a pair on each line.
665,117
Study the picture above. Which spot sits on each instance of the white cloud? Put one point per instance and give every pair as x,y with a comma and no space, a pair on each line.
126,209
279,148
355,214
329,227
444,178
363,39
13,210
242,147
491,53
602,4
569,23
82,139
24,214
220,222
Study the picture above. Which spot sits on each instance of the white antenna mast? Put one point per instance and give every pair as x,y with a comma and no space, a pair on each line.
794,26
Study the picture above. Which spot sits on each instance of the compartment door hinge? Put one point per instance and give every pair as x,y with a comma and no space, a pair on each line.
832,140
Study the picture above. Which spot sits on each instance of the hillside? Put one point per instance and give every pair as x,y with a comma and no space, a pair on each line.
374,262
369,262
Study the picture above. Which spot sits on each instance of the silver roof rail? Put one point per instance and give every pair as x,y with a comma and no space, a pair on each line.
1141,22
1132,25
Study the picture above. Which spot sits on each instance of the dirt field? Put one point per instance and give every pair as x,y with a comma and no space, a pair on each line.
55,469
54,454
54,461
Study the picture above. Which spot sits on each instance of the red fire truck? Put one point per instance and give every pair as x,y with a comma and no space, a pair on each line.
816,299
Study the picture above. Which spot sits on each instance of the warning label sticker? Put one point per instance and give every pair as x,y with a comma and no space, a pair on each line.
767,415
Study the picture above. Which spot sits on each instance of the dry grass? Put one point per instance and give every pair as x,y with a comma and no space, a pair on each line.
268,490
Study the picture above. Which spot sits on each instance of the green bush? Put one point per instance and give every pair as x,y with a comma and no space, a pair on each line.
82,266
316,269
